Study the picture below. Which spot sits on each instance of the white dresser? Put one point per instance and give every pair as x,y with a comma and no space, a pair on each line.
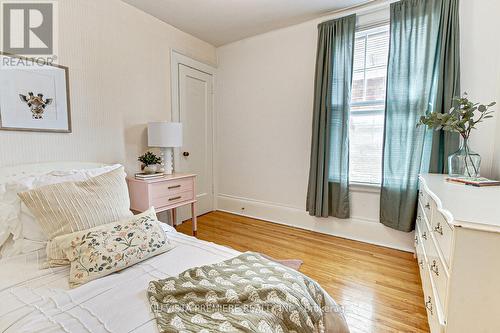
457,241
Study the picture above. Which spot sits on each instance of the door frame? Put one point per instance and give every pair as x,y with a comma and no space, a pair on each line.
176,59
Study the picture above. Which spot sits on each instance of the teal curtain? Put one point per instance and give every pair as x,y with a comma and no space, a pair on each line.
423,76
328,190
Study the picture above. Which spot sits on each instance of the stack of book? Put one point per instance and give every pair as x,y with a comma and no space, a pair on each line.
149,176
474,181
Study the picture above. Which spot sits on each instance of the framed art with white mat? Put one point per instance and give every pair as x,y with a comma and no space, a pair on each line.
34,95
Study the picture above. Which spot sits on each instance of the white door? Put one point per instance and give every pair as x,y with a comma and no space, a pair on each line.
196,155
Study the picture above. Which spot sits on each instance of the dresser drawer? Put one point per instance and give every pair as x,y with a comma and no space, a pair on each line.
419,250
425,200
162,189
430,303
438,273
172,199
439,276
443,234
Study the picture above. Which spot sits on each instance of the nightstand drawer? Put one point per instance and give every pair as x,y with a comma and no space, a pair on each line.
160,190
171,199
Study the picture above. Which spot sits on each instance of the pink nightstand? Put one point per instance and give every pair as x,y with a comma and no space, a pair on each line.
164,194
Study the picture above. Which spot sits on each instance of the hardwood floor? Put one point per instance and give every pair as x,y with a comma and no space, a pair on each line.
378,287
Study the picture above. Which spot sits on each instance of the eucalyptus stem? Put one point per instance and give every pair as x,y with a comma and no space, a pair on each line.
462,118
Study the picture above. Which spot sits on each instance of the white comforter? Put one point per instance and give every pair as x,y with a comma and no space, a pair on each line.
35,300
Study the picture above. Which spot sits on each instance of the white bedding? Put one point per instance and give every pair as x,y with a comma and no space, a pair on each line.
35,300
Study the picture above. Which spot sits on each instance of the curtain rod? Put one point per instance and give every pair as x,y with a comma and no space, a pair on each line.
370,5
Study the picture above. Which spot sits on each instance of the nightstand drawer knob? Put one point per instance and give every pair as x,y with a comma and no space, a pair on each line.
186,154
174,198
175,186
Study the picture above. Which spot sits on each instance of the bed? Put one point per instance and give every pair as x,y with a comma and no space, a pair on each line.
40,300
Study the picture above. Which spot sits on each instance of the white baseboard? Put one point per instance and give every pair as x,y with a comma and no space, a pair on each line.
364,230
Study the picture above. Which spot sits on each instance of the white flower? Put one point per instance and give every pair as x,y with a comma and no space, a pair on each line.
200,273
211,297
188,284
206,283
169,286
272,296
309,322
177,323
218,316
198,319
222,281
232,296
295,318
213,272
226,327
169,299
190,295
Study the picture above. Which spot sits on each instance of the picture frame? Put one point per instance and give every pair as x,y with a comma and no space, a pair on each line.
34,95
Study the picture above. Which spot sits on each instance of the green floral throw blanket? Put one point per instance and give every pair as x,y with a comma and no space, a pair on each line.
245,294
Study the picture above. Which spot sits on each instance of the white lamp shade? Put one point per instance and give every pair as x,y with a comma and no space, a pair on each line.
164,134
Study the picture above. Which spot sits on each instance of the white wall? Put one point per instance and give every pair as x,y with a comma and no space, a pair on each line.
264,104
264,100
119,69
480,58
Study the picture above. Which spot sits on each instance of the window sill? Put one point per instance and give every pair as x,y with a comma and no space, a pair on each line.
364,187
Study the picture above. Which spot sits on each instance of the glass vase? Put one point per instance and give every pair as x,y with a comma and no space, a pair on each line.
464,162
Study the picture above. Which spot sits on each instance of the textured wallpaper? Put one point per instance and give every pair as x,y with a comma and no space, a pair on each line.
119,72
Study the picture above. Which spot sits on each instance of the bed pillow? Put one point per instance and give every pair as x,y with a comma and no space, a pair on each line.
69,207
17,223
108,248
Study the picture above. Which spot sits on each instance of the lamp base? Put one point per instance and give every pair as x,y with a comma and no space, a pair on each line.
167,160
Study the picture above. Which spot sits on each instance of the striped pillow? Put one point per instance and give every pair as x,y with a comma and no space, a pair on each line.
64,208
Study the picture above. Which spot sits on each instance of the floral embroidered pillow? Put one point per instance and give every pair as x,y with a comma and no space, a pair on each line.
111,247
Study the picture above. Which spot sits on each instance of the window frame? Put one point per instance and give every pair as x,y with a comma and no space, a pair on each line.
357,185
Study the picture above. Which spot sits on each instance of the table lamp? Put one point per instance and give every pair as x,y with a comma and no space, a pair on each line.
166,136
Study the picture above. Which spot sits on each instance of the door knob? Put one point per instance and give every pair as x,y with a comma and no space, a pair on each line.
186,154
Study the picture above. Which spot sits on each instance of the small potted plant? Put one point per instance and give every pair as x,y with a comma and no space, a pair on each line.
149,162
462,119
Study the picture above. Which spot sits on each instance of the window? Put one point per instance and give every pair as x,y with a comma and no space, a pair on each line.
366,132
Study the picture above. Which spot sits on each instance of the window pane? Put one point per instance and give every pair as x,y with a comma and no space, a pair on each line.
359,56
366,140
367,105
377,49
375,84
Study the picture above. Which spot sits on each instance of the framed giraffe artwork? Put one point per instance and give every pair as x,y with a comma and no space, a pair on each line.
34,95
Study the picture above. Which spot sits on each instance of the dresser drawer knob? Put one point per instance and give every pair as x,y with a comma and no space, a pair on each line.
424,235
428,205
174,198
428,304
421,264
435,268
439,229
174,186
416,240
